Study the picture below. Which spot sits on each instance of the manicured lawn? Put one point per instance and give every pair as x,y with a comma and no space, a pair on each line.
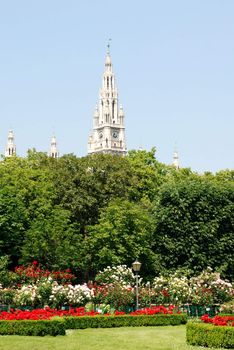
141,338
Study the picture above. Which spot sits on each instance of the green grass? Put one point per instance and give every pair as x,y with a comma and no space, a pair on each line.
136,338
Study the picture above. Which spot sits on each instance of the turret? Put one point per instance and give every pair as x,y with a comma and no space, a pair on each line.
175,162
53,153
10,147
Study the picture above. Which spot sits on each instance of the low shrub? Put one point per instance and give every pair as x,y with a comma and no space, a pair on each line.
209,335
102,321
31,327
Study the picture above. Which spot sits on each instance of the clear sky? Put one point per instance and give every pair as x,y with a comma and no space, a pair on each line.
174,65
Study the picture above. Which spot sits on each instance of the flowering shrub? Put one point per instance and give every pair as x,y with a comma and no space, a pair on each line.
120,274
172,289
209,288
116,295
50,293
79,294
161,290
6,295
113,289
219,320
33,273
70,295
146,295
206,289
227,308
26,295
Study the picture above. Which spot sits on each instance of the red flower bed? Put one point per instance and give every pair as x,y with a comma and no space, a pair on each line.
44,314
48,313
156,310
219,320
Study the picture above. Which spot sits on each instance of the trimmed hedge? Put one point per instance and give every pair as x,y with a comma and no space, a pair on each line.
101,321
31,327
58,326
203,334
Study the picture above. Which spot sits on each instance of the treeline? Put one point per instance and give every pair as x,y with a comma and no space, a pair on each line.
91,212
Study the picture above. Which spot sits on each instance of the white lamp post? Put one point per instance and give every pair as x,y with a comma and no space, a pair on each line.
136,266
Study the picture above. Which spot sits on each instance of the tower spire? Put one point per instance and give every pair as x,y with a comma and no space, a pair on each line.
108,63
53,153
108,134
108,46
10,147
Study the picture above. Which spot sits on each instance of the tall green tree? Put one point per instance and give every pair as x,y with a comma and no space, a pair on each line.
124,232
52,240
195,225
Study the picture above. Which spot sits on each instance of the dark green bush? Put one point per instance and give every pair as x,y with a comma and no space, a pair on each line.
102,321
31,327
208,335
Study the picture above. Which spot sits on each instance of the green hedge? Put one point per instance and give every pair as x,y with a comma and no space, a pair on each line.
31,327
58,327
203,334
102,321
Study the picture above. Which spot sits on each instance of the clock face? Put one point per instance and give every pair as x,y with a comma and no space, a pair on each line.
115,134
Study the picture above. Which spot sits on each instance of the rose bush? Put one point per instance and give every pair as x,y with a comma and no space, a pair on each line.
33,273
206,289
120,274
219,320
209,289
115,295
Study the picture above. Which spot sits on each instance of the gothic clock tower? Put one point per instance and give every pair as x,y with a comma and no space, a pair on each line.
108,134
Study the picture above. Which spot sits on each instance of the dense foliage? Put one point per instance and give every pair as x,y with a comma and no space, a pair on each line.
91,212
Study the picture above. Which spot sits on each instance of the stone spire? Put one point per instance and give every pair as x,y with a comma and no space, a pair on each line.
175,162
10,147
108,134
53,153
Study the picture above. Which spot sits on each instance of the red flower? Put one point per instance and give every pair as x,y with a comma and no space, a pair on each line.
218,320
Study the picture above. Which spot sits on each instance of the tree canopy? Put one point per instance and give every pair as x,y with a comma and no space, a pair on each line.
91,212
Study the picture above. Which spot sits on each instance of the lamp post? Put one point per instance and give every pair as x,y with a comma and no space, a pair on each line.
136,266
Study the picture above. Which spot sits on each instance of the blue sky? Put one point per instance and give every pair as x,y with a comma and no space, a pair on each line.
173,62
